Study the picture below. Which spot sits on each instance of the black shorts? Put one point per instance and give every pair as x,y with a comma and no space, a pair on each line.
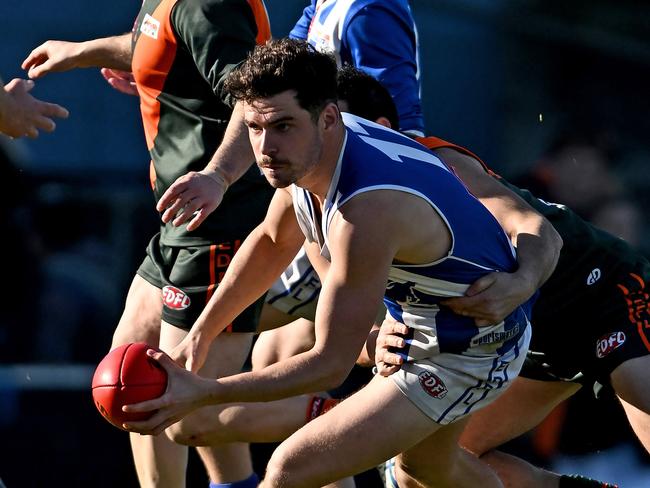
188,277
598,322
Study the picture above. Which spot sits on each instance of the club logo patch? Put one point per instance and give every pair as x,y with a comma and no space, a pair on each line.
432,385
608,343
150,26
593,276
175,298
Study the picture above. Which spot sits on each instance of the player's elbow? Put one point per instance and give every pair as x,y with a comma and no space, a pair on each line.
202,428
333,372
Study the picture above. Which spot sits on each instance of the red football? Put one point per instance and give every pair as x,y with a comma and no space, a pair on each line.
127,375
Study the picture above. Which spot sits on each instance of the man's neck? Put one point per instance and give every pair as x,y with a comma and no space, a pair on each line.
318,181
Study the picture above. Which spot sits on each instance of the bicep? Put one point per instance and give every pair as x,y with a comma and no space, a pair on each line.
511,211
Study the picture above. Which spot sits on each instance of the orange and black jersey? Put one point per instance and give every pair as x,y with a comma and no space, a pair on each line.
593,313
584,245
183,50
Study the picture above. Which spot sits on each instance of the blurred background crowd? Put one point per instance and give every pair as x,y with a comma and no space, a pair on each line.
551,95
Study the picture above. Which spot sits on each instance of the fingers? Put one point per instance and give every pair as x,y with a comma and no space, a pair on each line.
176,211
152,426
44,123
54,110
386,370
184,208
34,58
27,85
474,306
123,86
199,217
385,340
117,74
481,284
37,70
172,194
122,81
391,326
18,85
146,406
391,359
188,212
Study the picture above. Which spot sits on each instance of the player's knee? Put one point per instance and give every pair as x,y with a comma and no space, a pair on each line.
439,472
284,470
409,476
276,474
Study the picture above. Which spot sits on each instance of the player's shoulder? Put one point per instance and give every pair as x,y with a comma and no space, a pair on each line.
210,16
385,5
387,140
224,8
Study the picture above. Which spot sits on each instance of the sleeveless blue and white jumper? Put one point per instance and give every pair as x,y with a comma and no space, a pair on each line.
354,31
378,37
452,367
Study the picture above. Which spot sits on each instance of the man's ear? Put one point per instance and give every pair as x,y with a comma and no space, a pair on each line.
330,116
385,122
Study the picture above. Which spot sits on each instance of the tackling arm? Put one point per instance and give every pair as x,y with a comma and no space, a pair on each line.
538,245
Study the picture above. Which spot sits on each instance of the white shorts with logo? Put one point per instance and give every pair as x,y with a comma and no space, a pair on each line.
447,387
296,291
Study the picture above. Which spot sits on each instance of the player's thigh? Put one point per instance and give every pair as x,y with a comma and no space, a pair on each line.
630,381
520,408
369,427
282,343
140,320
227,355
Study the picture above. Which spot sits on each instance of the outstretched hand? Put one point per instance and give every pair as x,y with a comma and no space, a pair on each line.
185,393
491,298
23,115
192,197
122,81
52,56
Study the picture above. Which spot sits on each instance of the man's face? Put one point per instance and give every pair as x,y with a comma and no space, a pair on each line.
286,141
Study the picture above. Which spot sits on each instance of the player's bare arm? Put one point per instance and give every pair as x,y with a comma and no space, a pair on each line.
361,254
264,254
23,115
56,56
194,196
495,295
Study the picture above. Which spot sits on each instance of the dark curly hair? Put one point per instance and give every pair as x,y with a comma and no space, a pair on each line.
286,64
366,96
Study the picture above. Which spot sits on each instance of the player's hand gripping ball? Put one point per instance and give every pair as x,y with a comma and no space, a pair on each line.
127,375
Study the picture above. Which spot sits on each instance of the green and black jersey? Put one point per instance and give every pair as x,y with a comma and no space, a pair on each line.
182,52
593,313
584,248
